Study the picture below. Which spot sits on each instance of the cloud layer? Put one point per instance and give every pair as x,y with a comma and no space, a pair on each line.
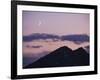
28,46
77,38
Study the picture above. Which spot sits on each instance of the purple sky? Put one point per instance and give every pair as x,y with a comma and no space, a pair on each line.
55,23
52,23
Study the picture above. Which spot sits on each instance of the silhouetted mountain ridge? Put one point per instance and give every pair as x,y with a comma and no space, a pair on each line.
62,56
79,50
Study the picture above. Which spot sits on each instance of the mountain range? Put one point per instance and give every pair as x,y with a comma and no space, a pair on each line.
61,57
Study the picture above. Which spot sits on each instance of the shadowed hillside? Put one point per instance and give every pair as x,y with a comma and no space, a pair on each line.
61,57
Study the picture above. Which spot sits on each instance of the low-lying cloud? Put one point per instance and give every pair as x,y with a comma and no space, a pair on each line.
77,38
28,46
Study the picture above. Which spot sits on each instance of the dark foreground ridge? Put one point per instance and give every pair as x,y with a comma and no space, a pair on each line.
61,57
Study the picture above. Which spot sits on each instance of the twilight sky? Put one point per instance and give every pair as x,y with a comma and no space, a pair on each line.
40,23
55,23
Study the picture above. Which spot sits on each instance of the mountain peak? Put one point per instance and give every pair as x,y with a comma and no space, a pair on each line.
63,50
81,50
65,47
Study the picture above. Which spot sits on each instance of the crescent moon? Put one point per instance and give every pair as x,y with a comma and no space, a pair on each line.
39,23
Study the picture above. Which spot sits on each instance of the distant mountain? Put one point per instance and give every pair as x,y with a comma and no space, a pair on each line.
61,57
